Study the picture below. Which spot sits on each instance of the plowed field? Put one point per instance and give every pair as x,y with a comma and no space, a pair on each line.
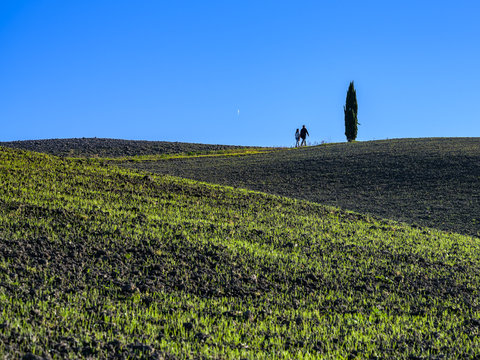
430,182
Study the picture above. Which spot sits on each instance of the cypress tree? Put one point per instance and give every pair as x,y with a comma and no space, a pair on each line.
350,110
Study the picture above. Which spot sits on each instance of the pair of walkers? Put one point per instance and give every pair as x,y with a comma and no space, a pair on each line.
301,134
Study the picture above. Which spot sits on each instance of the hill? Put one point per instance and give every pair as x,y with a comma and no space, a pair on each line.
429,182
98,147
98,261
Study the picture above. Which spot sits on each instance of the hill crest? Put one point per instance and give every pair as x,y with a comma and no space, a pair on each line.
105,147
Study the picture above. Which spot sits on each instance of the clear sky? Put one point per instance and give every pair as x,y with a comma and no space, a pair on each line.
246,72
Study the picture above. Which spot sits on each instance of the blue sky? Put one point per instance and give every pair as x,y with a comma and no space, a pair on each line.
237,72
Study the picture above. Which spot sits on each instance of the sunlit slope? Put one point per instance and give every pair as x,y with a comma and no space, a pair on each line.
432,181
98,261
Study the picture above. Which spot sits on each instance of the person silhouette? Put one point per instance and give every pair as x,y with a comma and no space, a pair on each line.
297,138
303,135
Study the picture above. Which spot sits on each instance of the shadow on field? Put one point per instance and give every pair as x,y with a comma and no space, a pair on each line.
432,182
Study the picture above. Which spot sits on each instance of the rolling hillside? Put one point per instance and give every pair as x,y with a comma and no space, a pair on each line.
103,262
428,182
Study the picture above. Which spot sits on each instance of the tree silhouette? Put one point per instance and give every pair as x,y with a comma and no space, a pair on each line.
350,109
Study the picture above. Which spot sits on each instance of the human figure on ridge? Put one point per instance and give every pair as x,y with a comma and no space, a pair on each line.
297,138
303,135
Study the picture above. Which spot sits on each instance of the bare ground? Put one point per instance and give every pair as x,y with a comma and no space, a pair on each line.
432,182
98,147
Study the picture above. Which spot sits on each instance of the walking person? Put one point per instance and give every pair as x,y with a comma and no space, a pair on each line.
297,138
303,135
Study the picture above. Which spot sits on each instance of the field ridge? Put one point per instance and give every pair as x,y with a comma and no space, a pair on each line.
99,261
104,147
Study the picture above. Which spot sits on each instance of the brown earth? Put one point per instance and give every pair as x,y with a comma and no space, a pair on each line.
404,179
432,182
97,147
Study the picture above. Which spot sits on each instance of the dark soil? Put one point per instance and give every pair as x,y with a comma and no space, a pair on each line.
93,147
75,266
125,251
432,182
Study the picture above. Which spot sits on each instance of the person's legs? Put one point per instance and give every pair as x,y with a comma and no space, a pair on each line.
304,143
